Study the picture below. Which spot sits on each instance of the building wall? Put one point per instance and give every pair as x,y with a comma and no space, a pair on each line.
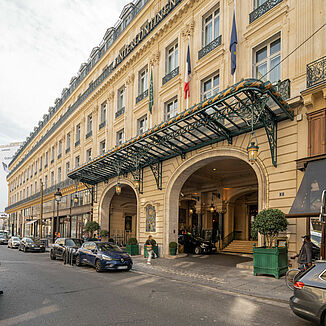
293,20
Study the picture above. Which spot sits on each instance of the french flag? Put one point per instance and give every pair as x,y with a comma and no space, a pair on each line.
187,74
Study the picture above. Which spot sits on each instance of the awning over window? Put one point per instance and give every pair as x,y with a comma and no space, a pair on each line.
31,222
308,198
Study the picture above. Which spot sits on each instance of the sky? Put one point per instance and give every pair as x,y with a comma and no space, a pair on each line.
42,45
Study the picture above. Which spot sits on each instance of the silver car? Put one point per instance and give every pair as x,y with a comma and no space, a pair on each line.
14,242
309,299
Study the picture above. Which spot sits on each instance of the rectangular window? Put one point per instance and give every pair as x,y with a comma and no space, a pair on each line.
258,3
89,124
35,188
59,175
45,182
52,178
52,154
77,161
210,86
120,137
27,194
142,125
103,113
46,159
31,190
170,108
211,26
121,98
31,171
172,57
35,167
267,58
68,142
27,174
78,133
41,163
102,147
88,155
59,147
143,81
67,167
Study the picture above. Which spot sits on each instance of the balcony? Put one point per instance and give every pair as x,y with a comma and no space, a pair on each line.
141,96
210,47
89,134
101,125
316,72
262,9
120,112
77,142
67,150
59,155
52,161
284,88
170,75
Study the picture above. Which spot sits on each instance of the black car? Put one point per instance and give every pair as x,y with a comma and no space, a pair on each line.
59,247
309,299
196,245
3,239
29,244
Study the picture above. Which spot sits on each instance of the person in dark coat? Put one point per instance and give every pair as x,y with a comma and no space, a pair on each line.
305,254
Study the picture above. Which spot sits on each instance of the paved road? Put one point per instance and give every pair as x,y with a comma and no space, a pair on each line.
43,292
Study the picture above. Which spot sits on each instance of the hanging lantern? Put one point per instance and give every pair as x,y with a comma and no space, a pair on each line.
137,184
76,199
58,195
118,189
191,211
212,208
252,148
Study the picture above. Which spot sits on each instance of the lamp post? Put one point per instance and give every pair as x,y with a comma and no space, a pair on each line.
57,197
41,210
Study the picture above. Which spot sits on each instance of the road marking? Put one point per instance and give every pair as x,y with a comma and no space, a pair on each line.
142,282
29,315
127,280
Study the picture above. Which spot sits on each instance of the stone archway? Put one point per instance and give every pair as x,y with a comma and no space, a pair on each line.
187,168
128,208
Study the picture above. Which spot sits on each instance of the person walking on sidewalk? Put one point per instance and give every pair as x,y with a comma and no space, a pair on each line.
305,254
149,247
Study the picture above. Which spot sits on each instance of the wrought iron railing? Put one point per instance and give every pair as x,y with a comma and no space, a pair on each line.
77,143
228,239
141,96
210,47
262,9
89,134
59,155
67,150
101,125
316,72
119,112
170,75
284,88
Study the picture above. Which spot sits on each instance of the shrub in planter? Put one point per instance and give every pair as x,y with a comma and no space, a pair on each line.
104,233
173,248
268,260
132,247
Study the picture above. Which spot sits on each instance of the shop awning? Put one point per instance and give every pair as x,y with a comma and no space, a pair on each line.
227,114
31,222
308,199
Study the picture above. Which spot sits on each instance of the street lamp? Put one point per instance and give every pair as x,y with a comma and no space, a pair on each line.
57,197
252,148
118,189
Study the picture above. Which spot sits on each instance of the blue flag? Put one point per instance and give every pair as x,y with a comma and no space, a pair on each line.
233,46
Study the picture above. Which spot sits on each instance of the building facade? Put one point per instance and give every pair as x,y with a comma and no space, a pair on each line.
142,159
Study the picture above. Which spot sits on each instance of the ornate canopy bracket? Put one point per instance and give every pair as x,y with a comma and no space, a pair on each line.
157,172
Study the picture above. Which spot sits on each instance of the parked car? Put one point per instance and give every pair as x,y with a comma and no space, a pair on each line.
59,247
29,244
3,239
309,299
14,242
196,245
103,256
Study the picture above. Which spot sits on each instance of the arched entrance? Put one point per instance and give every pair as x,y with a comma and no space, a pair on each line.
118,213
215,192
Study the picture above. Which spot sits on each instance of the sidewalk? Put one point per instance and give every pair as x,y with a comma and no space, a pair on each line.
218,271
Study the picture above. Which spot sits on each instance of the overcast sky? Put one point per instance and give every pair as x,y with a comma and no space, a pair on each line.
42,44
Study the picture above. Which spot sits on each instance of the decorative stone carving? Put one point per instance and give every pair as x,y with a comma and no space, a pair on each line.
150,218
130,79
188,29
111,96
155,57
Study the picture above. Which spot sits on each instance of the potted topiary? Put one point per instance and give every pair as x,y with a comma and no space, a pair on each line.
90,228
132,247
269,259
173,248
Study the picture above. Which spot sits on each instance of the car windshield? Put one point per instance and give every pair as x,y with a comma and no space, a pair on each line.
108,247
28,240
73,242
2,236
15,239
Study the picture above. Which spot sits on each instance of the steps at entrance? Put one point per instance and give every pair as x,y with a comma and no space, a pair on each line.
240,246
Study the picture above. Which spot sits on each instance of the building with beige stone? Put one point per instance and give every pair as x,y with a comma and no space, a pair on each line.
183,165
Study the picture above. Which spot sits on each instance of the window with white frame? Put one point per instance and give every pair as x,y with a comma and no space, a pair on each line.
211,26
41,162
89,124
46,159
59,174
120,137
102,147
67,167
171,108
35,167
103,112
68,141
35,188
77,161
78,133
27,192
31,172
142,125
59,147
45,181
172,57
88,155
143,80
210,86
52,178
52,154
258,3
267,58
121,98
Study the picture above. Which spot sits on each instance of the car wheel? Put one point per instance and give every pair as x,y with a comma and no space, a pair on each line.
52,255
78,261
197,250
98,266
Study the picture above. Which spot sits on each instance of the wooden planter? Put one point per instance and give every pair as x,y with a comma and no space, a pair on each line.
132,250
270,261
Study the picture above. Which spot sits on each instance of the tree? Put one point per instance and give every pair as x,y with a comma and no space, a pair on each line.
91,227
269,222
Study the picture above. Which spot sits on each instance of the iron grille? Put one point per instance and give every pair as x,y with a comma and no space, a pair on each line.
262,9
316,72
141,96
170,75
210,47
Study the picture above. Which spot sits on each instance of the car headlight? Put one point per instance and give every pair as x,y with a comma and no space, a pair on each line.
106,257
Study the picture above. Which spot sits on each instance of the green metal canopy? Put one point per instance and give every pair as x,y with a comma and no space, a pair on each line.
248,104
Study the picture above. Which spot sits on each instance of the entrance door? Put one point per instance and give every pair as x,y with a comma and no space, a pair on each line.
253,211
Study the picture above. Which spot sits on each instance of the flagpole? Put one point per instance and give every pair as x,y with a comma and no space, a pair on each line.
235,72
187,72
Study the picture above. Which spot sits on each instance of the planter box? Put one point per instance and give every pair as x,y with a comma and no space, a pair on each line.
173,251
155,249
270,261
132,250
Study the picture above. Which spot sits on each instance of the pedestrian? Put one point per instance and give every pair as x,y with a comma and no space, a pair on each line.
305,254
1,291
149,247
